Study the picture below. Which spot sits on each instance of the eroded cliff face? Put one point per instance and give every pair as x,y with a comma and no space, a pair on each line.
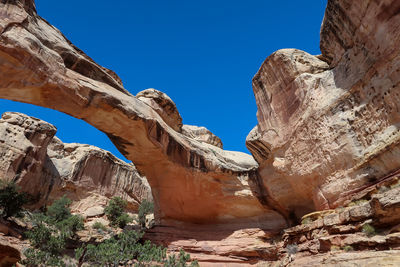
47,168
328,125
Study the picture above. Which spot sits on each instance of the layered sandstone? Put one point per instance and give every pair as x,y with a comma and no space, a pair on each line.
164,106
328,125
201,134
47,168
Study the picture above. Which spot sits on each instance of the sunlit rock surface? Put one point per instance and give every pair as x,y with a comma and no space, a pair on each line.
47,168
328,125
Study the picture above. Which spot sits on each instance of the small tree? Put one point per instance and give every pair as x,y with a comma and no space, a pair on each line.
146,207
59,210
50,234
115,212
11,201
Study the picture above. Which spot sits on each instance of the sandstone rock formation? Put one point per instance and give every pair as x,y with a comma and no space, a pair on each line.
191,181
164,106
328,129
47,168
201,134
328,125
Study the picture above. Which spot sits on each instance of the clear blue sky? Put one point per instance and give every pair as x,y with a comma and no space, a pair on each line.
203,54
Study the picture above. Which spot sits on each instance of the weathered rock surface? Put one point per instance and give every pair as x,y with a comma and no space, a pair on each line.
47,168
9,253
347,236
349,259
217,244
328,125
164,106
201,134
191,181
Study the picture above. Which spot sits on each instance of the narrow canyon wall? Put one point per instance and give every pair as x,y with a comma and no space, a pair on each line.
47,168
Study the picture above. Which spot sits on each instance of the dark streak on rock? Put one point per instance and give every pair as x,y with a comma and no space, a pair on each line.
260,191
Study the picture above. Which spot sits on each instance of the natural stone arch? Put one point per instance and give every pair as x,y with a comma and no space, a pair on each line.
191,181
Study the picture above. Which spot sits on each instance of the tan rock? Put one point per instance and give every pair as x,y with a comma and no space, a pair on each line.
150,220
9,255
47,168
350,259
164,106
23,150
94,212
329,128
216,243
201,134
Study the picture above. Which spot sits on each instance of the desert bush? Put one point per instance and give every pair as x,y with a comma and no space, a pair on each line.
123,220
69,226
46,239
368,229
11,200
39,258
348,248
99,226
146,207
50,233
59,210
180,261
115,212
125,249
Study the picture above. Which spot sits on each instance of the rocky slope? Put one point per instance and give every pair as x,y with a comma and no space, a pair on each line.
46,168
327,128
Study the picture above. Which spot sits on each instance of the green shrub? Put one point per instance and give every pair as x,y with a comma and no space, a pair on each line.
99,226
348,248
69,226
146,207
115,209
368,229
50,233
46,239
59,210
40,258
179,261
126,248
123,220
11,201
120,249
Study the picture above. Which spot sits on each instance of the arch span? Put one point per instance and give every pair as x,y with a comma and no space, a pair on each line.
191,181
